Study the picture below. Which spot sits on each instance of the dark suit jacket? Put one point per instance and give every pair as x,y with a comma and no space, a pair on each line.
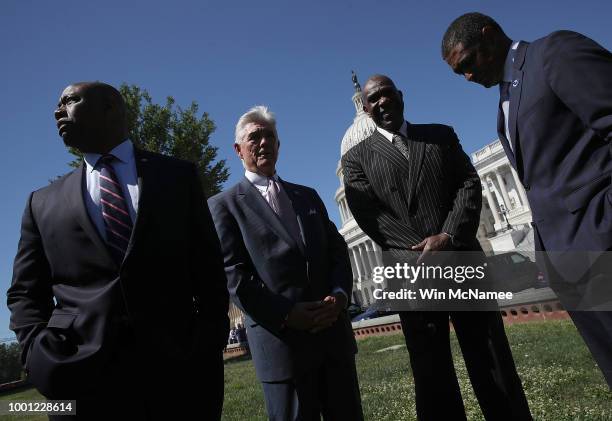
69,300
268,272
398,203
560,124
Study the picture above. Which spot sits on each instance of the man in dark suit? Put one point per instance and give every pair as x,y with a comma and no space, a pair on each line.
118,287
555,124
288,269
411,188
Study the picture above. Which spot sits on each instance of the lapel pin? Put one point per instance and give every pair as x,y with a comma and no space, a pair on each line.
515,83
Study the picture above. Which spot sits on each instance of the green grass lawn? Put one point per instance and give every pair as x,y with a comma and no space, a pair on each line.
560,378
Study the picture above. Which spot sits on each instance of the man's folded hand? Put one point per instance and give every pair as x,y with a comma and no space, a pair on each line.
302,315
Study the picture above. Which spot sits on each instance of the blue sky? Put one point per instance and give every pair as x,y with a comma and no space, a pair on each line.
294,56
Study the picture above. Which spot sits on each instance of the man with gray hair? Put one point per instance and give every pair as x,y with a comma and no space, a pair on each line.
288,269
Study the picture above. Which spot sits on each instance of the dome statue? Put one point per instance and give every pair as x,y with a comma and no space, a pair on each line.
362,125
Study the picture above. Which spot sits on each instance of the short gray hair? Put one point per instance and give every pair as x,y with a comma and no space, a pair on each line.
258,114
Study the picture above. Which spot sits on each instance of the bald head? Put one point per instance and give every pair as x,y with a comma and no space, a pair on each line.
378,78
91,116
383,102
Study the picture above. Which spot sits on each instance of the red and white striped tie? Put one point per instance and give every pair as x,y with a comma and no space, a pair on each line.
114,210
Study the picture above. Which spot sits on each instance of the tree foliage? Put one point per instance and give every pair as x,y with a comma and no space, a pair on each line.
181,133
10,363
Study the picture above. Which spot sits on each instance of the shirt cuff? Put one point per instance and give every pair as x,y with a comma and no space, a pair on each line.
341,291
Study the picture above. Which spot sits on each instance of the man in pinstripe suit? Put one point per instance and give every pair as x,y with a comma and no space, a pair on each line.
412,189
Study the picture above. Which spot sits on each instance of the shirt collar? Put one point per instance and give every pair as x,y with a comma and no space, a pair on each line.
509,63
124,152
387,134
258,179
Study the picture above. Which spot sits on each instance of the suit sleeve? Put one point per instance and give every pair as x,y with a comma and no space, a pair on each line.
211,297
579,72
341,273
371,214
30,298
246,289
464,216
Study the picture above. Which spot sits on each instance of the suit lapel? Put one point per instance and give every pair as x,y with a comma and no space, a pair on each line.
516,89
73,192
381,145
501,132
146,178
256,202
302,211
416,149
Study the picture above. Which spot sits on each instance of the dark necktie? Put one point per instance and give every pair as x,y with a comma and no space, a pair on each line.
114,210
504,91
400,143
280,203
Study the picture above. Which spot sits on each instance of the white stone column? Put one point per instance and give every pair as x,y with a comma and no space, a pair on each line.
342,214
492,202
364,261
377,254
357,263
521,190
370,253
502,188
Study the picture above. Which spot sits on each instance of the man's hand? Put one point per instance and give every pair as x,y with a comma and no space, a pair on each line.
432,244
327,315
302,315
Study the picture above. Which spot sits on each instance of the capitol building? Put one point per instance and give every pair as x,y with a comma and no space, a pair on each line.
504,220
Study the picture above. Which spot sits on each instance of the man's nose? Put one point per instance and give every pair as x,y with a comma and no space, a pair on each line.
59,112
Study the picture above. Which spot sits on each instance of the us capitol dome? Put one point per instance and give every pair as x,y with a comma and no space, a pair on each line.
363,252
362,125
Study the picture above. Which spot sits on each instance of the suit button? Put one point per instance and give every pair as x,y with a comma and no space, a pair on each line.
526,187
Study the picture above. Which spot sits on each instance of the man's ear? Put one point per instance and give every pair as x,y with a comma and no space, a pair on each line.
237,150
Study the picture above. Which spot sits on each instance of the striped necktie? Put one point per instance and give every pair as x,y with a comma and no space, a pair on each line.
400,143
114,210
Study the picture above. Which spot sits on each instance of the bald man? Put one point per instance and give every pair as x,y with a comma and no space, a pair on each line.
115,264
413,190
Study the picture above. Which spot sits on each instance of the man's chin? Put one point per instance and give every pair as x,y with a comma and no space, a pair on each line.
70,141
390,126
266,168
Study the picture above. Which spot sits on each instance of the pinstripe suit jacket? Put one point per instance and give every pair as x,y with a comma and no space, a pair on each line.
399,202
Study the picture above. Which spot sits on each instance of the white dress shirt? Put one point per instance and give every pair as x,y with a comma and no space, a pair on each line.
125,168
389,136
261,182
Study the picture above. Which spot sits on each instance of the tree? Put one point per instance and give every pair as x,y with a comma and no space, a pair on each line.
174,132
10,363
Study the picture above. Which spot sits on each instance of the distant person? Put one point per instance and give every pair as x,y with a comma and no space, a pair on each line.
118,286
288,269
555,124
241,334
413,190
